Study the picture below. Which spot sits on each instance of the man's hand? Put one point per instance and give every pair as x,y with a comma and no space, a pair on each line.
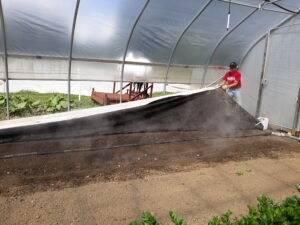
225,87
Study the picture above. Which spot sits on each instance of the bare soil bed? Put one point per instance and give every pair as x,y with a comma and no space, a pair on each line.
196,178
132,156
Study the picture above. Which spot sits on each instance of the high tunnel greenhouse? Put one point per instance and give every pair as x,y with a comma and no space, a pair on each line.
116,112
160,41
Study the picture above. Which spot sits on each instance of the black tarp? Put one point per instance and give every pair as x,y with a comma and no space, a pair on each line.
205,111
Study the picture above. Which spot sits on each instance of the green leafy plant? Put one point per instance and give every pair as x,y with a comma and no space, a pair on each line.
56,103
239,172
223,220
38,103
149,219
175,219
20,105
2,101
267,212
298,187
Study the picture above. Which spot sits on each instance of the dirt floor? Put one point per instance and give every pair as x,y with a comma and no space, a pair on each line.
192,173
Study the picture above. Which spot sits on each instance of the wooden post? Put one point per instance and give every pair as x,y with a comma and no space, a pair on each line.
146,89
105,99
130,90
151,90
114,87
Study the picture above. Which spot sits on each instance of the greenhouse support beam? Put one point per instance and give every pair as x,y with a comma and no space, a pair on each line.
220,42
254,6
285,26
264,35
88,80
297,112
71,53
179,39
127,46
262,76
5,59
104,61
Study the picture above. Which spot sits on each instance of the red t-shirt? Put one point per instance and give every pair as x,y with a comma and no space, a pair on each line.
230,77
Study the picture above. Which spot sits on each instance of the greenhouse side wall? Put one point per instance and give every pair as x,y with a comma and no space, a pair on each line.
251,71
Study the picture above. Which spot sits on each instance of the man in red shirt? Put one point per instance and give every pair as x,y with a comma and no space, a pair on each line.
232,83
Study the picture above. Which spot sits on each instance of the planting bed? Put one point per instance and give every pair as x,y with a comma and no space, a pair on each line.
167,151
206,126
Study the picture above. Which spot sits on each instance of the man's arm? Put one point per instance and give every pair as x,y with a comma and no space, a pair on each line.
235,83
222,83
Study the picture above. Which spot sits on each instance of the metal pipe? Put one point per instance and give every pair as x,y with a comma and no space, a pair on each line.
281,134
180,37
263,36
107,61
297,112
70,55
149,81
255,7
289,25
5,59
127,46
263,72
220,42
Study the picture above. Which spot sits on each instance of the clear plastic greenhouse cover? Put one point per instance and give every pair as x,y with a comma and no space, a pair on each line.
191,34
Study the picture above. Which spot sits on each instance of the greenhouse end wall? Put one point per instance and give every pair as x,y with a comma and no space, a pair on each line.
281,77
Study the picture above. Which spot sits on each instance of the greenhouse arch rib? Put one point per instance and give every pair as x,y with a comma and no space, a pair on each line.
180,37
254,6
264,35
127,46
71,52
220,42
5,59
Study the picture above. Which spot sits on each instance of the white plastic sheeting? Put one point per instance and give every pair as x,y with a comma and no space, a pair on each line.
282,76
81,88
2,75
103,27
194,75
85,70
280,93
251,71
38,27
197,44
37,68
144,73
235,45
159,28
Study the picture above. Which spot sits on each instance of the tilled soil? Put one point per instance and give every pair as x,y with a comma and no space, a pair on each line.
127,156
197,190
